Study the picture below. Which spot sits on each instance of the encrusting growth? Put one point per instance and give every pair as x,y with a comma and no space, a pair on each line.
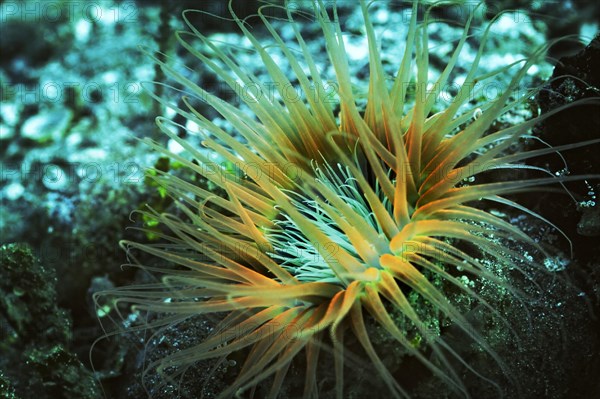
375,208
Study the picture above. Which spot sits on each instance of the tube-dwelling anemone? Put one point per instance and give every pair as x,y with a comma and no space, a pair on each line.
342,212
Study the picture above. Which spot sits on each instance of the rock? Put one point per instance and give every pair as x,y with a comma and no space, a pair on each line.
589,225
36,333
47,126
574,78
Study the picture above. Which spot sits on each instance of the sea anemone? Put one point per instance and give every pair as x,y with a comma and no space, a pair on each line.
331,218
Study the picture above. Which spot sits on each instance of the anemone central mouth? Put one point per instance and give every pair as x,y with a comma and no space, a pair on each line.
311,261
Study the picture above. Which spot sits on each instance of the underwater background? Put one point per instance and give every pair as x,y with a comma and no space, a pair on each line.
73,106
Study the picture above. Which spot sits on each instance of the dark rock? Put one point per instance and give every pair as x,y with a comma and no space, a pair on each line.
36,333
7,391
22,47
575,78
